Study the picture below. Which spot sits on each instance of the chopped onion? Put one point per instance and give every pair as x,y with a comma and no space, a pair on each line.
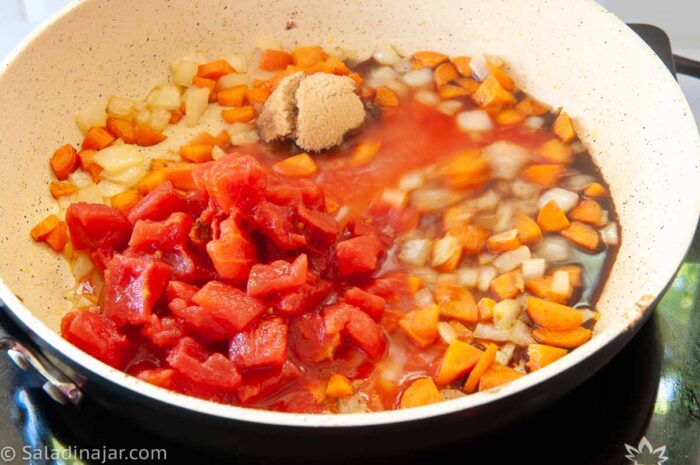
239,128
533,268
505,313
81,265
604,218
447,278
238,61
524,190
143,116
610,234
114,159
479,67
403,66
80,179
423,298
534,122
418,77
485,258
489,200
565,199
449,394
508,261
588,314
427,97
232,80
425,200
468,277
504,217
159,118
127,177
217,152
386,55
120,107
411,181
90,194
244,138
578,182
167,96
445,250
521,334
380,76
196,103
110,189
474,120
490,332
505,353
415,252
449,107
505,159
560,284
428,275
183,72
93,115
486,275
554,249
446,332
397,86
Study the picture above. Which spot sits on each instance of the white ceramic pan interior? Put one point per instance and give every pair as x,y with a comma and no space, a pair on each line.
627,108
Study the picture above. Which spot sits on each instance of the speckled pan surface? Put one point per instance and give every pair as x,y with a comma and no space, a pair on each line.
567,53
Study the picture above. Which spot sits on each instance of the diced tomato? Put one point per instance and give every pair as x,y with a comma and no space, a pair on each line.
392,288
274,221
363,331
233,181
229,303
233,253
278,276
287,191
258,384
195,362
132,286
187,265
97,335
359,255
309,340
159,204
180,290
373,305
262,343
162,377
319,226
203,324
304,299
96,226
163,332
297,401
162,235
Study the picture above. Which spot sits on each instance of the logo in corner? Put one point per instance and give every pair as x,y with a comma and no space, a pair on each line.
645,453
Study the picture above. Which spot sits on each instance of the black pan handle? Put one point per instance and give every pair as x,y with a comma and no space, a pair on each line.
687,66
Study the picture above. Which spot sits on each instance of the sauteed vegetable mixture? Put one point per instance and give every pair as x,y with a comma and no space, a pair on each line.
295,232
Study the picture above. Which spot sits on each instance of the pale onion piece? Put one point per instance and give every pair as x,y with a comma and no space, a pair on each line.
120,107
427,97
159,119
610,234
183,72
468,277
523,298
425,200
418,77
80,179
90,194
143,116
479,67
553,249
238,61
140,105
167,96
196,58
504,217
490,332
386,55
521,334
564,198
560,283
412,181
533,268
444,250
128,177
239,128
397,86
520,366
489,200
588,314
114,159
577,182
505,313
415,252
110,189
196,103
449,394
356,403
394,197
449,107
428,275
604,218
524,190
447,278
403,66
83,300
486,275
81,265
244,138
505,159
526,207
505,353
508,261
446,332
95,115
342,214
485,258
217,152
264,43
534,122
423,298
474,120
232,80
378,77
257,74
66,201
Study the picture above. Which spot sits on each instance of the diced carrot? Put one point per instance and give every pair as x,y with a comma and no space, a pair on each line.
122,129
456,302
180,174
390,319
357,78
176,116
466,169
97,139
501,76
238,115
332,204
552,315
528,230
582,235
508,285
215,69
532,107
367,93
457,216
308,56
540,355
504,241
364,152
551,218
588,211
64,161
563,128
196,153
199,81
421,392
463,333
445,73
61,189
486,308
497,375
468,84
421,325
492,94
233,96
414,284
298,166
462,65
385,97
427,59
509,116
555,151
147,136
125,201
543,175
542,287
273,60
256,96
334,65
58,237
271,83
595,190
223,139
339,386
87,163
472,238
449,91
575,273
204,138
150,181
567,339
458,359
485,361
44,227
160,163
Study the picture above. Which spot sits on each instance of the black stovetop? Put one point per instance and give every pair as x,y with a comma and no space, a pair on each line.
647,391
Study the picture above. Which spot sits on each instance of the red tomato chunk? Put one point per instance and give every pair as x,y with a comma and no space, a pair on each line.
263,343
278,276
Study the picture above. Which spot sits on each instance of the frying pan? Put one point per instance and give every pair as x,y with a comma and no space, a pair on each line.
569,53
